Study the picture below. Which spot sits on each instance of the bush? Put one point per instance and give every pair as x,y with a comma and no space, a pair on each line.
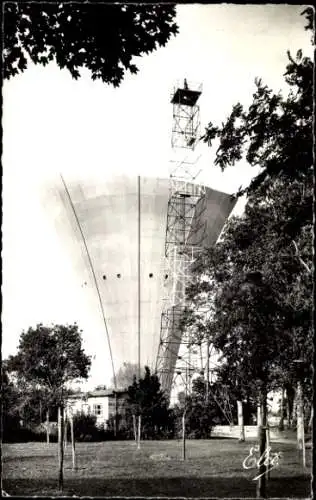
85,428
26,435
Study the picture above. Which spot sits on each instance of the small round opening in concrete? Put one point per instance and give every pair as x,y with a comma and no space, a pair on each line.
118,275
150,275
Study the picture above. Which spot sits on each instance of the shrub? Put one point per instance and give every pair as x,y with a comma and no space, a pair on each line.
85,428
26,435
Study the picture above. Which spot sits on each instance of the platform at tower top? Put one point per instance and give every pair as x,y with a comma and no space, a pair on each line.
185,97
186,93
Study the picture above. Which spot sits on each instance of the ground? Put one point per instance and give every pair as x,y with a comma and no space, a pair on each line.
213,468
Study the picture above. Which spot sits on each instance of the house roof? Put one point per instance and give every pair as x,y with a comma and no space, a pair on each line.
106,393
100,392
77,395
96,394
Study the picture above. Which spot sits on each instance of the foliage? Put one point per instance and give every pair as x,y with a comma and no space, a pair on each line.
200,413
125,375
104,38
23,411
85,428
274,134
116,429
145,398
309,14
257,281
203,411
261,321
10,418
48,358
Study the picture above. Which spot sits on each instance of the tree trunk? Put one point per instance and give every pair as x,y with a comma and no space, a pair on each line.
259,419
139,431
241,421
72,442
281,422
289,406
61,448
207,371
47,426
268,448
261,481
59,432
300,421
310,423
115,415
183,437
65,428
134,428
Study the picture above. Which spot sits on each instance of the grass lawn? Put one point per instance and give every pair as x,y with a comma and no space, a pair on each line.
213,469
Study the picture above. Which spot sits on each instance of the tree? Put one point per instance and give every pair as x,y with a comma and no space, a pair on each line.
125,375
10,417
200,413
262,300
272,243
25,406
146,399
85,428
258,278
103,38
276,133
48,359
261,296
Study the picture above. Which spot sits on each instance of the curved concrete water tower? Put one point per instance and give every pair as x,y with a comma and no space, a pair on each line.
114,230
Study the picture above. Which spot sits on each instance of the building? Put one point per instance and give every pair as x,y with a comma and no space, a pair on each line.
102,403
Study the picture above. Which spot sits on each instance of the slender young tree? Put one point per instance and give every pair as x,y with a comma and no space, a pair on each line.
49,357
146,399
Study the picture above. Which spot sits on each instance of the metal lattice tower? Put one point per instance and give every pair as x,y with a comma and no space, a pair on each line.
177,356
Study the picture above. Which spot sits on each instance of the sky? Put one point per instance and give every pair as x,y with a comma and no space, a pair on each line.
53,124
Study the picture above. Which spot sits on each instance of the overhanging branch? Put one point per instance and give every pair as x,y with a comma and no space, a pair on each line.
300,258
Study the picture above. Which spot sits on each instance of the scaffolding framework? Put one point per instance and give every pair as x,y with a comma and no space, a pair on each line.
186,115
185,233
182,355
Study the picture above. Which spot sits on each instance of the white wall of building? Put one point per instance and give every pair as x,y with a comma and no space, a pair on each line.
93,405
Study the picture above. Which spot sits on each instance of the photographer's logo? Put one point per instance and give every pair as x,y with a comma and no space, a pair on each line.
270,460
